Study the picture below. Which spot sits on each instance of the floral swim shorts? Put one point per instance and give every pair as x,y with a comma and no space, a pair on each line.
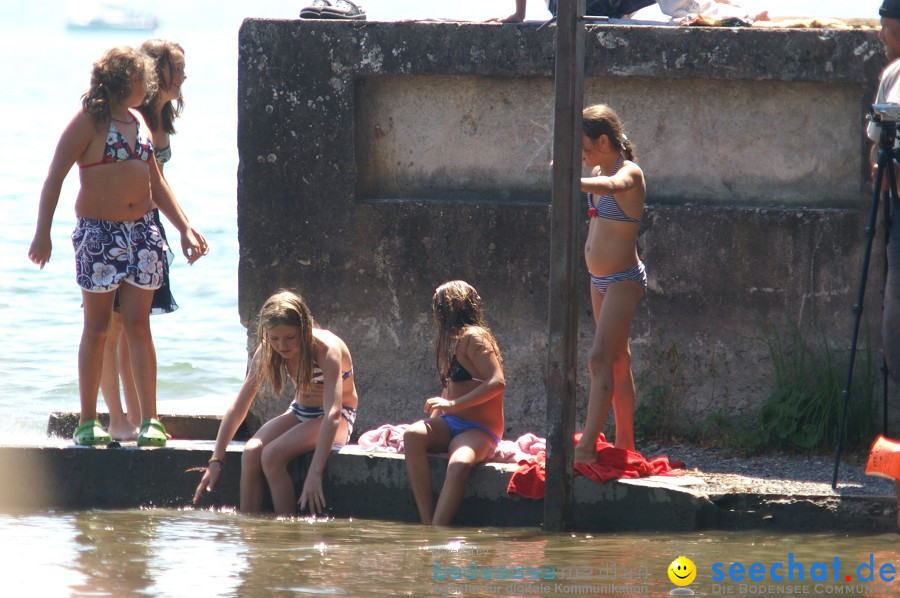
106,253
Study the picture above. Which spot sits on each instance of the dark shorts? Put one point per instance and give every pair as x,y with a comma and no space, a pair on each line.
107,253
615,9
163,300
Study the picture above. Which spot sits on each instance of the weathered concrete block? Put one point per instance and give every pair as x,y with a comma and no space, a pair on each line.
378,160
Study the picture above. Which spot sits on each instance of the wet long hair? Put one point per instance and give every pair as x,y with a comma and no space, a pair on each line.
286,308
111,80
455,306
599,120
160,50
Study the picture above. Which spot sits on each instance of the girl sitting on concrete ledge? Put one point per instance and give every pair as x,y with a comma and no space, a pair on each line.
466,421
321,415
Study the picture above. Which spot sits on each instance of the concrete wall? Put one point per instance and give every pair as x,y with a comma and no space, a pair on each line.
378,160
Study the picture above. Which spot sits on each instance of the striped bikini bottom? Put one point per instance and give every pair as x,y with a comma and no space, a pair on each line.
636,274
306,413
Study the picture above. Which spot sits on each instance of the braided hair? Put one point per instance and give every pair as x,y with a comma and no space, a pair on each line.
599,120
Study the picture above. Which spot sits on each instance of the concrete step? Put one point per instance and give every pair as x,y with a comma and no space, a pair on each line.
60,475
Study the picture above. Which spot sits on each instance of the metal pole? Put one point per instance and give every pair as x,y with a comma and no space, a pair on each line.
563,320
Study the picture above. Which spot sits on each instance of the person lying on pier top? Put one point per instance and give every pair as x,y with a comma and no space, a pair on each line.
677,9
322,414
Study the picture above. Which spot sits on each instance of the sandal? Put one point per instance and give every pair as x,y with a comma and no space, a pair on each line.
343,9
314,10
153,433
91,433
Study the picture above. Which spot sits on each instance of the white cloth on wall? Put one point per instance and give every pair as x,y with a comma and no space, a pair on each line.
716,9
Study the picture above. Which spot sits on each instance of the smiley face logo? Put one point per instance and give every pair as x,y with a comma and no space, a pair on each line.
682,571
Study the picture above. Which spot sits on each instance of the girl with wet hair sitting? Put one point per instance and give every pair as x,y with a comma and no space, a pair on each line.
466,420
322,414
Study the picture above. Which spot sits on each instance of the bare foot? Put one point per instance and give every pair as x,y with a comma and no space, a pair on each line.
123,431
585,454
763,16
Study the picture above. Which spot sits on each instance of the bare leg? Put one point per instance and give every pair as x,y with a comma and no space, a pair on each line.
119,426
623,401
276,456
613,313
466,449
252,477
135,304
423,437
97,310
129,391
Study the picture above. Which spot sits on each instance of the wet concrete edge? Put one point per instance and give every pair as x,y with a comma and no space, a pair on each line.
61,476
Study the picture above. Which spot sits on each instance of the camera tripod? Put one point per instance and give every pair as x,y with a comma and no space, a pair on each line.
884,167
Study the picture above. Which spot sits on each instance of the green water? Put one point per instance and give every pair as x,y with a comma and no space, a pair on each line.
157,552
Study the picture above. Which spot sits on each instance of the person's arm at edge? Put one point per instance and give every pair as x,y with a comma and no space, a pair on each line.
72,144
331,403
628,177
193,244
516,17
231,421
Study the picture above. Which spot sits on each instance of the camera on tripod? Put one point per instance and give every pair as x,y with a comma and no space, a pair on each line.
885,113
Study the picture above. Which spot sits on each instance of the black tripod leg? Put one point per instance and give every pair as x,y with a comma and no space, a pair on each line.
884,382
888,224
883,156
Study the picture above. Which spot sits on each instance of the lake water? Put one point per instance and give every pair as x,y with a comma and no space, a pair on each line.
201,352
197,554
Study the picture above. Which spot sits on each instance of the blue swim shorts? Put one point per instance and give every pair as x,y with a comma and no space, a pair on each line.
106,253
459,425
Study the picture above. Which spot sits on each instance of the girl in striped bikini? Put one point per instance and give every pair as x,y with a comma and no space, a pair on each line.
616,192
322,414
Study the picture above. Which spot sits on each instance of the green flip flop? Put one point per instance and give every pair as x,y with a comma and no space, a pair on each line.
153,433
91,433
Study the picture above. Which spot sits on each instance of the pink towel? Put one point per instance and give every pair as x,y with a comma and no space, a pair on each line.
387,438
513,451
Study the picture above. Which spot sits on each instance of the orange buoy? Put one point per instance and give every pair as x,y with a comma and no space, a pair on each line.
884,459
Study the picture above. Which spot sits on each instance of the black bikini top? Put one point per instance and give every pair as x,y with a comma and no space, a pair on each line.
457,372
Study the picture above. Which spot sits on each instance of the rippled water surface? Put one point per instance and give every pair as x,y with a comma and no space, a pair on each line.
191,553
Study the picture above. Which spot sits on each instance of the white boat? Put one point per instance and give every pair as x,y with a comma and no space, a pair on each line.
108,16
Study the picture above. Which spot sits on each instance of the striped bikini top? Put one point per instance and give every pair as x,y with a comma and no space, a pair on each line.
606,205
319,376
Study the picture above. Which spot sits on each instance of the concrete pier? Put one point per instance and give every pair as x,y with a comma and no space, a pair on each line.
60,475
391,157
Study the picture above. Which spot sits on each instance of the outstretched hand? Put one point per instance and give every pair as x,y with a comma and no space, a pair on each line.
208,482
193,245
40,250
312,494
